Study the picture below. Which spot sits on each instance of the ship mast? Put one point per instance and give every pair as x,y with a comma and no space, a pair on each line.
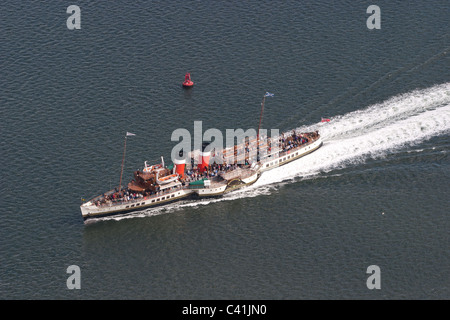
123,158
267,94
260,117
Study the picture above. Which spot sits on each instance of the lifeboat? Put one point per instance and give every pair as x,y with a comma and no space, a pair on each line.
188,83
325,120
167,179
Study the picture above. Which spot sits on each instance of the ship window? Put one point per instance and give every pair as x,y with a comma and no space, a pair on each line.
163,198
284,159
173,196
158,199
296,153
153,200
142,203
127,206
132,205
267,165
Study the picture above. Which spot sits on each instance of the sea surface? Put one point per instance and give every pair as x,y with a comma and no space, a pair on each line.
376,193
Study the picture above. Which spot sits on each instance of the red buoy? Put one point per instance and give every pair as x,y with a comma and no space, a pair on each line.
188,83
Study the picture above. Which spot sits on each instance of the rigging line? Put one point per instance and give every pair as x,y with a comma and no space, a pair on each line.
388,75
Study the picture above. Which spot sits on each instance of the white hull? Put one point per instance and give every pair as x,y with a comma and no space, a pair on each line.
273,162
221,189
210,192
89,210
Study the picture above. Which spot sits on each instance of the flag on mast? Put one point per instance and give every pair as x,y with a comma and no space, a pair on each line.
130,134
268,94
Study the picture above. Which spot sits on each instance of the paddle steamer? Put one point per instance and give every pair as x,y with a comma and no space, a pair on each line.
241,166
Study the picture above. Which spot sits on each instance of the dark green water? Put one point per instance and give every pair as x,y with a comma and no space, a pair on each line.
376,193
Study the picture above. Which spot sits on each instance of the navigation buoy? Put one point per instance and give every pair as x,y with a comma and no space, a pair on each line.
188,83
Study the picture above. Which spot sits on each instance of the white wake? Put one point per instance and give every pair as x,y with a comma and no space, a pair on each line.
399,122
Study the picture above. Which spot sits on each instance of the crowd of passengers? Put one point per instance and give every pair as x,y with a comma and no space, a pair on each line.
295,140
125,194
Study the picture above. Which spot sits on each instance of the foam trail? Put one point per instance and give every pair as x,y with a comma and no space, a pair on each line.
350,139
342,153
379,115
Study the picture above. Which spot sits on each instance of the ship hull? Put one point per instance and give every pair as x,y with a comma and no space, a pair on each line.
269,164
92,211
242,183
230,186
